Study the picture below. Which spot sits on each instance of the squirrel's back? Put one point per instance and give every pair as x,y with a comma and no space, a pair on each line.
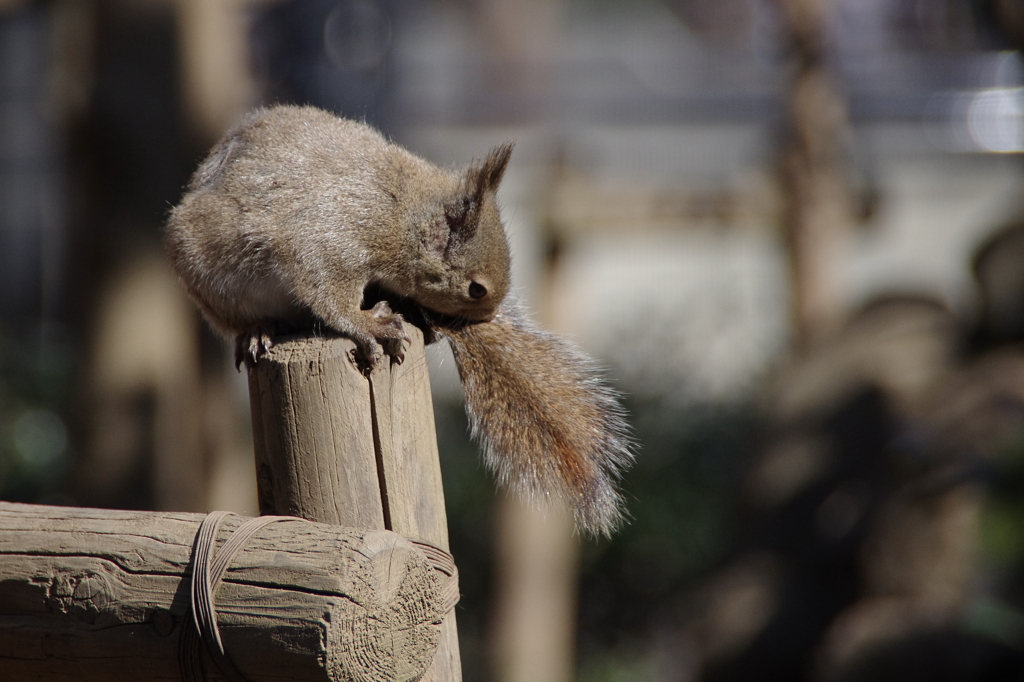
310,169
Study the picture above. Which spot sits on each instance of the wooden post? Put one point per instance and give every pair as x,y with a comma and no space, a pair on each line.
818,206
335,446
95,595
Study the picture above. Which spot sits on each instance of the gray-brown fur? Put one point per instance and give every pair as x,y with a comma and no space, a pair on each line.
295,212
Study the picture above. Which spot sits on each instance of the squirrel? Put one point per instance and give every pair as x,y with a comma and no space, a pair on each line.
296,214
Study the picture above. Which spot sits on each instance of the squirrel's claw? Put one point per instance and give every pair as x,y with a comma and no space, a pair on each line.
250,347
395,348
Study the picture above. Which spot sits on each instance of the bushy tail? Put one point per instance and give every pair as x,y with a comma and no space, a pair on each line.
546,420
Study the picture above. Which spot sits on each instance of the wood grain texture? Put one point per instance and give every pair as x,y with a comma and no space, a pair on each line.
313,434
335,446
90,595
411,471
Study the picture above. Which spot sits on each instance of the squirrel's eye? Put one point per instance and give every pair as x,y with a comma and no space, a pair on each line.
477,290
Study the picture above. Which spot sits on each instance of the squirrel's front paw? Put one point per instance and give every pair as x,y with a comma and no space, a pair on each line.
378,333
251,346
388,330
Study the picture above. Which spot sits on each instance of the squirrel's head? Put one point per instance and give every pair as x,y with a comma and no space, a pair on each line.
472,246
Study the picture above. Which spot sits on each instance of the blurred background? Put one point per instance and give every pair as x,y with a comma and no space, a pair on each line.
792,230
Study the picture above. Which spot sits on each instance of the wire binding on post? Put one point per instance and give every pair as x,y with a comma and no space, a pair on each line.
208,569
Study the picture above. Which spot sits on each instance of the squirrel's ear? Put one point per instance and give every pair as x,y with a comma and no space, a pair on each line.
461,214
486,176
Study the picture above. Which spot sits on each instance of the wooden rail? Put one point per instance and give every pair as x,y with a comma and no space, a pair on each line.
95,595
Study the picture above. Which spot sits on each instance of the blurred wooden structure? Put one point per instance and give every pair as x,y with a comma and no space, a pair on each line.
818,206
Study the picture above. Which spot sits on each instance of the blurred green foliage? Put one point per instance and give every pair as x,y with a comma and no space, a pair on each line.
683,497
1002,524
35,394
